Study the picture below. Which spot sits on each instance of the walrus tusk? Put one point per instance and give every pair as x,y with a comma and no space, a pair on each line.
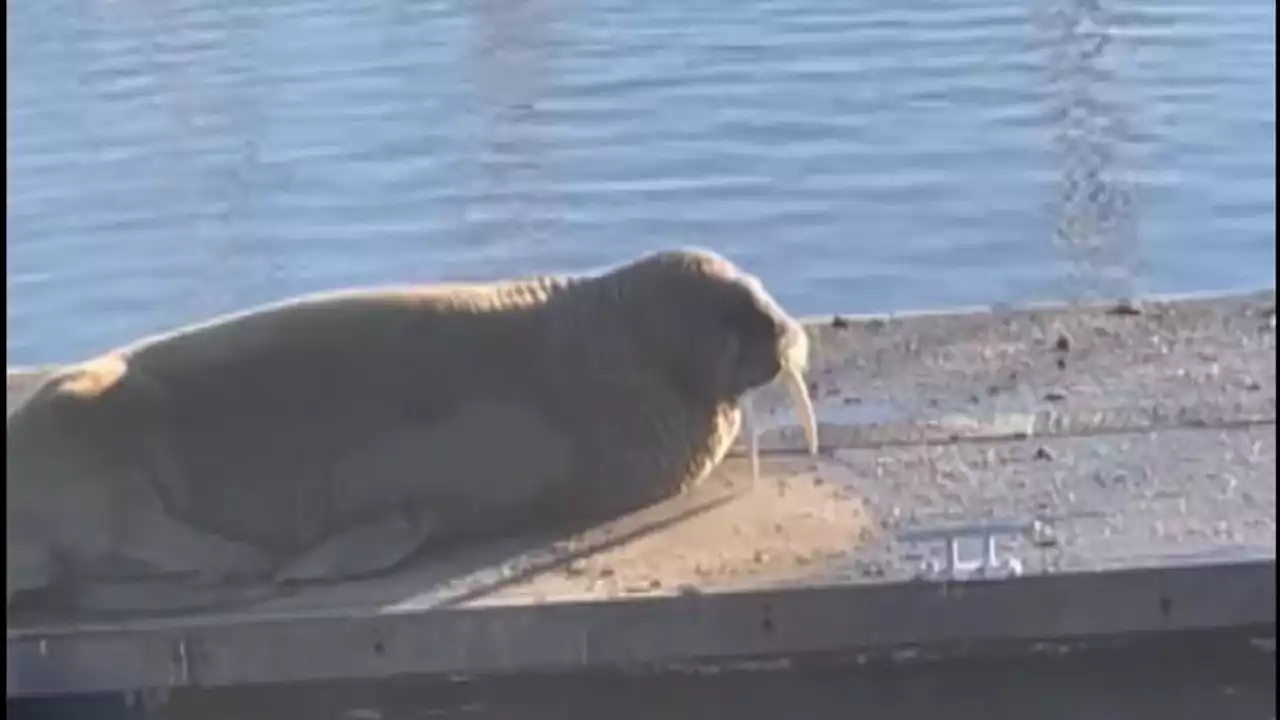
752,428
797,358
804,407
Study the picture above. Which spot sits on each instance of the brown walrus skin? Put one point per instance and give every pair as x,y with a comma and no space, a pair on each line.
331,435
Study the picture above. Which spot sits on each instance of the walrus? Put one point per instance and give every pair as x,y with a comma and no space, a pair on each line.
332,435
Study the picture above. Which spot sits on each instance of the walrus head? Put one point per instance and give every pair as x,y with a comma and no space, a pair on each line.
716,331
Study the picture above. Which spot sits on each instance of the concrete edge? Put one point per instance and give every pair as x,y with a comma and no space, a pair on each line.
1241,295
644,632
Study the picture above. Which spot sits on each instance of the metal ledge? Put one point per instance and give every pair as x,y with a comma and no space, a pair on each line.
640,632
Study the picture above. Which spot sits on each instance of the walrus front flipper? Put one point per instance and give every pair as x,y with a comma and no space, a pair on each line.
488,456
369,548
165,596
171,547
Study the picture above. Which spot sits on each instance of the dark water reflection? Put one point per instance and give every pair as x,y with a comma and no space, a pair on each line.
175,158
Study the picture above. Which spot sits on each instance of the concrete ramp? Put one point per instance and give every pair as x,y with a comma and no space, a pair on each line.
1123,456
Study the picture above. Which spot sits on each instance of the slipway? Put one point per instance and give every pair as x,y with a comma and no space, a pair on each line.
1030,477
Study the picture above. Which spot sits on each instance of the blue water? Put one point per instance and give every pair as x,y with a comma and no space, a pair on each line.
171,159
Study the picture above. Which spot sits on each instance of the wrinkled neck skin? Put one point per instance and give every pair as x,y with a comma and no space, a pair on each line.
617,327
653,437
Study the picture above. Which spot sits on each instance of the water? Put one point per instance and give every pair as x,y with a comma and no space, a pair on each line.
171,159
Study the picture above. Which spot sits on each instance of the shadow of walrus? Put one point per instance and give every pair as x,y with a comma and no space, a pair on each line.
332,436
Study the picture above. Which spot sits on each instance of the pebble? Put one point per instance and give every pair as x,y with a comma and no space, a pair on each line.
1125,307
871,569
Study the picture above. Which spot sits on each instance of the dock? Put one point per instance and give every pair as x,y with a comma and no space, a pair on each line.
1099,470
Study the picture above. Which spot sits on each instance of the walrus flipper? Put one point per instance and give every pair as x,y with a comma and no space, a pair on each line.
366,549
431,473
168,596
171,547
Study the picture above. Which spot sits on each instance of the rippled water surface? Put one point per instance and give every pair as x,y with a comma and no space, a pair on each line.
169,159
